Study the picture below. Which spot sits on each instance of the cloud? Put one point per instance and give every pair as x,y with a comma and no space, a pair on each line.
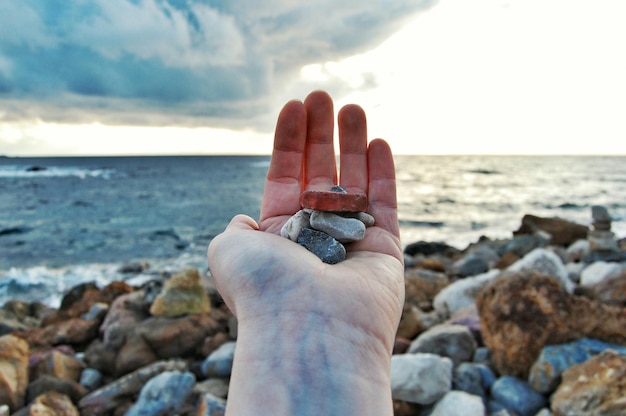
183,62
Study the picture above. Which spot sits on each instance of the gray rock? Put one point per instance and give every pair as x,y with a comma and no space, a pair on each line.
163,394
468,377
462,293
599,271
453,341
420,378
211,405
518,396
220,362
328,249
546,262
91,379
459,403
364,217
295,224
345,230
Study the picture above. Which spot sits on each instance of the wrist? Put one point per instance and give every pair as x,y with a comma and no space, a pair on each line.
310,364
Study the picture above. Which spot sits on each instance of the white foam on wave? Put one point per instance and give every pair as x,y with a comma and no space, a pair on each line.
25,171
49,285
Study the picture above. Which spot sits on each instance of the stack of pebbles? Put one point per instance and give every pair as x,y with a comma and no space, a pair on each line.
327,221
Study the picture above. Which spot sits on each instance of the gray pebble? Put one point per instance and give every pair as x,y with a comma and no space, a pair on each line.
328,249
346,230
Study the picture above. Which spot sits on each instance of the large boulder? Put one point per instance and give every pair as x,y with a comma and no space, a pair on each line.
523,313
562,232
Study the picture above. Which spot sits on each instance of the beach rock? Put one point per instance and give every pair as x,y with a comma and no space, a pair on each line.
520,245
291,229
414,321
461,293
182,294
210,405
47,383
453,341
523,313
118,393
420,378
52,403
333,201
163,394
599,271
74,331
469,318
13,371
328,249
220,362
155,339
562,232
344,230
367,219
217,387
91,379
458,403
545,373
468,377
612,290
80,298
422,286
517,396
429,248
545,262
593,388
57,364
18,315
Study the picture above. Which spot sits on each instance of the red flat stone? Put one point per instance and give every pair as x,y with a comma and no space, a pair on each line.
333,201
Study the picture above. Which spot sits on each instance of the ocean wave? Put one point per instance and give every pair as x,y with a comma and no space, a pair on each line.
48,285
36,171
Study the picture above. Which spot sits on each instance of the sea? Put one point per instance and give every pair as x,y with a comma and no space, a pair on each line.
71,220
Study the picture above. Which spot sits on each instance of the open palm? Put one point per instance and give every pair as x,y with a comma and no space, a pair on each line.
266,279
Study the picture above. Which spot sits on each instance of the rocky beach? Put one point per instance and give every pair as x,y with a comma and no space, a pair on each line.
530,325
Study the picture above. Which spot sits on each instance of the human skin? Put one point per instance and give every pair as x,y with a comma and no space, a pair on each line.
314,338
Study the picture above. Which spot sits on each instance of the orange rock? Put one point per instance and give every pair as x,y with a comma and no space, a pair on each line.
523,313
333,201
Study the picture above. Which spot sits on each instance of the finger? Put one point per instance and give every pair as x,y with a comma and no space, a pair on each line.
285,176
320,168
382,200
242,222
353,149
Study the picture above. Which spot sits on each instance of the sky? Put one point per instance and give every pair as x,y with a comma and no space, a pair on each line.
113,77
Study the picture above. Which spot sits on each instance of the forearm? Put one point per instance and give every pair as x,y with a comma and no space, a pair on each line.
309,366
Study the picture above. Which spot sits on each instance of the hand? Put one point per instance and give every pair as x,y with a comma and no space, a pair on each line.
331,327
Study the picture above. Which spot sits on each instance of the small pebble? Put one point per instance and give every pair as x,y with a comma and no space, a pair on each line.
345,230
328,249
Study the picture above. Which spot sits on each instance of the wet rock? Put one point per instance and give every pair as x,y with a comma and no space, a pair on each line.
562,232
517,396
344,230
163,394
545,373
453,341
220,362
458,402
328,249
523,313
462,293
75,331
420,378
593,388
182,294
428,248
13,371
333,201
118,393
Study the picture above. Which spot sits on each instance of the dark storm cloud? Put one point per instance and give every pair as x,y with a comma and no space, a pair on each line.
173,61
